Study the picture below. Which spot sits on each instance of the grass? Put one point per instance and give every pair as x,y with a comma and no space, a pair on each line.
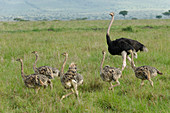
84,42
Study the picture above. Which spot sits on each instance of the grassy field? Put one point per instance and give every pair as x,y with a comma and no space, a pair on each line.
84,42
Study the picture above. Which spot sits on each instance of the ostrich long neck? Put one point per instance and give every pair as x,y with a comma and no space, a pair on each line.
22,70
34,65
101,65
62,69
108,30
110,25
132,62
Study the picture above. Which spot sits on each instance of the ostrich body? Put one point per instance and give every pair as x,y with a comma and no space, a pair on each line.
121,46
50,72
69,79
34,80
144,72
109,74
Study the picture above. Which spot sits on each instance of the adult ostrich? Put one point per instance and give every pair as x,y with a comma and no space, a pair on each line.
121,46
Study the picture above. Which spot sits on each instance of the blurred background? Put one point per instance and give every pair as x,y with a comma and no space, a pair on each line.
11,10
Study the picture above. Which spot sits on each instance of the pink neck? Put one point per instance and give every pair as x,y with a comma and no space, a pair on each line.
110,25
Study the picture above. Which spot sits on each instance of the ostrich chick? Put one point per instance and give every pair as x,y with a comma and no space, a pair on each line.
109,74
69,79
48,71
144,72
34,80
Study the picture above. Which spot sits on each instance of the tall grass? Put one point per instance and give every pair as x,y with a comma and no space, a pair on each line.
84,41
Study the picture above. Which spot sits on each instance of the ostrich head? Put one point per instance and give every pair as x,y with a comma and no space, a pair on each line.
35,52
103,52
19,59
111,14
64,54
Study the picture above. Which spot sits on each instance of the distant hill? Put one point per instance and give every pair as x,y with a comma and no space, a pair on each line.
72,9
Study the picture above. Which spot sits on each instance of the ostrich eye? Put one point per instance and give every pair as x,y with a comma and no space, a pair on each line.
75,67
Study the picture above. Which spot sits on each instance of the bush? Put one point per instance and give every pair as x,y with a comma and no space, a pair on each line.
129,28
158,16
134,18
85,18
19,19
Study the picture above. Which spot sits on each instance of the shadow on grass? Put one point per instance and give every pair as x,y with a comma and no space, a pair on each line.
93,85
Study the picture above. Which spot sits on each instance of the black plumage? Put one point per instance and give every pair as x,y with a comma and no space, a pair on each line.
123,44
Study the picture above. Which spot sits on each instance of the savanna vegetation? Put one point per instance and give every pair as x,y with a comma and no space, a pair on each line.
84,41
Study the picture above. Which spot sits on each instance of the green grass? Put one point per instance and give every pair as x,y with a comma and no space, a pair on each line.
84,42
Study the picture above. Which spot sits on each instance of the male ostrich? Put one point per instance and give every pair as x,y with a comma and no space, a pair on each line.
144,72
109,74
121,46
34,80
69,79
45,70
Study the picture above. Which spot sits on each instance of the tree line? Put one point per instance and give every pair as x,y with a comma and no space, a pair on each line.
124,13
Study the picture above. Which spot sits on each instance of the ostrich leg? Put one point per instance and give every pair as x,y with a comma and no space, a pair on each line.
142,83
124,55
118,83
64,96
75,88
128,58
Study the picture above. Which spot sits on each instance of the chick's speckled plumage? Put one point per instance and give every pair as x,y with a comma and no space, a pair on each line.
109,74
34,80
144,72
48,71
71,79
